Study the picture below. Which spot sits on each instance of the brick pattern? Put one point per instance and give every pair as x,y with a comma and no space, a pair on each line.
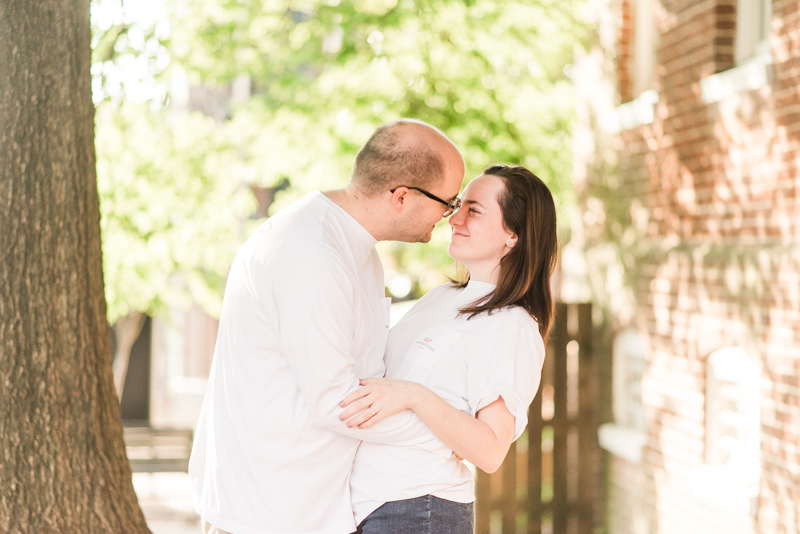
624,61
725,34
703,211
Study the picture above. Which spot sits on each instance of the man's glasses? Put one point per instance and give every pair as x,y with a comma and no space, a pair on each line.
452,207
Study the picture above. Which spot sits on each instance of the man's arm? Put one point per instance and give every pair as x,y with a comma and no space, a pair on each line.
314,294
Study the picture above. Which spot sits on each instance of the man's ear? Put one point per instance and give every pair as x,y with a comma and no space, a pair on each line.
400,198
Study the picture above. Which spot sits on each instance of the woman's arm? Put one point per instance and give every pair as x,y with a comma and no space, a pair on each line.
482,440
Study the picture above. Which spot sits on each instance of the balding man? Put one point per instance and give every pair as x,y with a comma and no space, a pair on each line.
303,318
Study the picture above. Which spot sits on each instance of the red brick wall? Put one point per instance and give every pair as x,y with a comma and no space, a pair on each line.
724,33
624,48
702,209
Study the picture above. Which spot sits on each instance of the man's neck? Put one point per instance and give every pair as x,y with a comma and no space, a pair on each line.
358,206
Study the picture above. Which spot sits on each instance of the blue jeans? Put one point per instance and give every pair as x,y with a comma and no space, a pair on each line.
423,515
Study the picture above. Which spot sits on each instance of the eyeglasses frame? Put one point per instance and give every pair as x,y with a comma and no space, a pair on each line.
452,207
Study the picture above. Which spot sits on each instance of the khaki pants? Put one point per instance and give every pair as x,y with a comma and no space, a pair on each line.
208,528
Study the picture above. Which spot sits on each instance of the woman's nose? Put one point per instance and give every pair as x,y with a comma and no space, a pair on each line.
455,219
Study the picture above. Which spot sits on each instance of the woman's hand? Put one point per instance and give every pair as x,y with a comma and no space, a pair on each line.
483,440
378,399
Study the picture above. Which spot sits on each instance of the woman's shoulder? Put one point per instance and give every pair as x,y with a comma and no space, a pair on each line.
509,326
508,334
522,317
511,317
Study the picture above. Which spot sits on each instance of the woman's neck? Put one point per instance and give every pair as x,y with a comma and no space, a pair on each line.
480,272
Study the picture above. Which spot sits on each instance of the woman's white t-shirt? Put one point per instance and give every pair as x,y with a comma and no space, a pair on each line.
468,363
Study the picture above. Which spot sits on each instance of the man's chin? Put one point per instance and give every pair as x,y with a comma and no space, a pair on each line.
427,237
418,238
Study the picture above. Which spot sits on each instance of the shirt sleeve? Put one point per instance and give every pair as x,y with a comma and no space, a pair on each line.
314,294
509,367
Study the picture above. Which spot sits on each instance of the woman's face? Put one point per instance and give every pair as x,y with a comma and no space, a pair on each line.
479,239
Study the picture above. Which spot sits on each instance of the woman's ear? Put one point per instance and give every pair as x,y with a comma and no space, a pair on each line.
511,241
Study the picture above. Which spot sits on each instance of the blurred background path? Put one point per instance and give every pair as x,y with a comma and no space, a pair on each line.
166,500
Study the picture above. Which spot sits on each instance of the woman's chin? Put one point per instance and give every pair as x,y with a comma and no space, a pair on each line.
452,250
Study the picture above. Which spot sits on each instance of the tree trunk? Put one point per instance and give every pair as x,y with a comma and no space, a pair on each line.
62,456
127,330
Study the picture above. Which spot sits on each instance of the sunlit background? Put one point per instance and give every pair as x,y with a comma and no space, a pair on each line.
212,115
667,131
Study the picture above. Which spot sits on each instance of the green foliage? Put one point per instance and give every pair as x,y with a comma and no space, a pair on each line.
490,74
129,51
172,197
172,206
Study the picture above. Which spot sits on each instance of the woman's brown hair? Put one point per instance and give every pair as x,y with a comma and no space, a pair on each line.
529,211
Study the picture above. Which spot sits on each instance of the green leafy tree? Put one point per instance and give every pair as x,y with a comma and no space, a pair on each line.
491,74
172,200
173,211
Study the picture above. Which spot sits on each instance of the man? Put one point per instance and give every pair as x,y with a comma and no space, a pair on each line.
303,318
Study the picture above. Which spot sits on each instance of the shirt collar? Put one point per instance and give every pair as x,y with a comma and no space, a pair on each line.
476,289
360,240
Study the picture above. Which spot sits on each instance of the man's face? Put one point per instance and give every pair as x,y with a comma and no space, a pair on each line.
425,212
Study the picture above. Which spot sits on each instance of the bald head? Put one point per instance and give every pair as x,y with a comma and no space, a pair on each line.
404,152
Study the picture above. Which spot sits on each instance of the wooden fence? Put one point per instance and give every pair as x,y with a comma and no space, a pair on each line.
548,483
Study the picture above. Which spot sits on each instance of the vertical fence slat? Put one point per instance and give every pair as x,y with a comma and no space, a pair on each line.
572,322
483,502
509,504
587,430
535,425
560,419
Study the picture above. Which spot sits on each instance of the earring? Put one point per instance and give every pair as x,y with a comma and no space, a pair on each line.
509,243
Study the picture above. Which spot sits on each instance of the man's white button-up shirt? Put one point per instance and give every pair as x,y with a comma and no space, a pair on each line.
303,318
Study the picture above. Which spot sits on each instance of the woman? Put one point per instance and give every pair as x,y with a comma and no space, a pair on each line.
467,359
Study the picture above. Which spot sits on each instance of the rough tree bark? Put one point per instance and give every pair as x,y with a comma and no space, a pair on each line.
62,456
